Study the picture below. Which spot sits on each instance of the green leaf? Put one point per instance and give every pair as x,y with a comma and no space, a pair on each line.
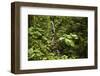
69,42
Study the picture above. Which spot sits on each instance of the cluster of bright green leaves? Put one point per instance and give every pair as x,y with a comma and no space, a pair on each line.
70,37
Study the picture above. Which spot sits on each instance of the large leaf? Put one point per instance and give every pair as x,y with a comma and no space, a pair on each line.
69,42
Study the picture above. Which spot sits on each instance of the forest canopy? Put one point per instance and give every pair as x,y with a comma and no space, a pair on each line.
57,37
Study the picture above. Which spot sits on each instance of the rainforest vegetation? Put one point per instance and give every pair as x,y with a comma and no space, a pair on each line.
57,37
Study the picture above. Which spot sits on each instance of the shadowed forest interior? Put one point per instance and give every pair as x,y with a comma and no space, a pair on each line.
57,37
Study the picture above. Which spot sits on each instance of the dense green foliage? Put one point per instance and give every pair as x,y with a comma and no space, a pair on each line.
57,37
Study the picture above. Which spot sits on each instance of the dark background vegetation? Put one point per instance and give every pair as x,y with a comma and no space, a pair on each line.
57,37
